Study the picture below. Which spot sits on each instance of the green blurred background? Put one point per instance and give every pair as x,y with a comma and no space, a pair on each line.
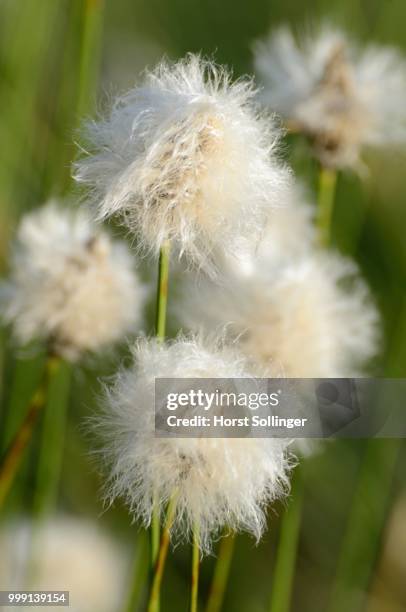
60,60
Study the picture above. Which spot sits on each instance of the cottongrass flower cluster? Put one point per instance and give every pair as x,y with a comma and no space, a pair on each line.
311,317
70,284
185,156
341,96
219,483
75,555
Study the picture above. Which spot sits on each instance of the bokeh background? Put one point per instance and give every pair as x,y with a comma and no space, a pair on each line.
60,61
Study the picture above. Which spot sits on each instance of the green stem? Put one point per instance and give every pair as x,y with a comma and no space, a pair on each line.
3,345
160,326
24,56
92,26
221,574
365,523
79,87
153,605
52,442
15,452
23,379
139,573
287,550
162,290
327,186
195,570
155,532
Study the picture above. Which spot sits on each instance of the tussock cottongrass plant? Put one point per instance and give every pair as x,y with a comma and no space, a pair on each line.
308,318
70,284
185,156
342,96
219,482
75,555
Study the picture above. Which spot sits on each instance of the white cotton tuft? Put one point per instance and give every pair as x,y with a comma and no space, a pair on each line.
220,483
70,284
288,234
70,555
311,317
342,96
185,156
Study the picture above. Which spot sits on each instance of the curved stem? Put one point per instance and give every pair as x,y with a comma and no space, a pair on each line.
195,570
327,186
221,573
287,551
153,605
15,452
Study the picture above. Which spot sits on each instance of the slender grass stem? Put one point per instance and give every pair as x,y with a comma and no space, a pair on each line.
153,605
221,574
52,442
162,291
365,523
24,56
155,532
327,187
23,379
139,573
195,570
160,328
3,346
15,452
287,550
159,545
92,26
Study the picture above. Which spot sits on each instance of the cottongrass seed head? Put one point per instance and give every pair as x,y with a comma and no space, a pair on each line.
311,317
342,96
185,156
70,284
288,234
218,482
73,554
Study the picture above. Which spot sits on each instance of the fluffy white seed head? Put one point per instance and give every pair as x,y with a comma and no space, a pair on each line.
70,284
70,554
288,234
343,97
219,482
185,156
312,317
